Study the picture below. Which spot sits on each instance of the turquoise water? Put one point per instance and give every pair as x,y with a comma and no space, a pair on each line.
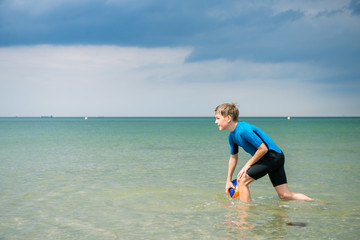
164,178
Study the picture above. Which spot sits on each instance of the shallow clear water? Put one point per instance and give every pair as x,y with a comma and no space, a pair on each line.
160,178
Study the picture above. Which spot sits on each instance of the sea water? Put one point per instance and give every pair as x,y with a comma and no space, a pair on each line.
164,178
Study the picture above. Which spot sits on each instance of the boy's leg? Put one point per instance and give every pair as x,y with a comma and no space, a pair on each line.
244,192
284,193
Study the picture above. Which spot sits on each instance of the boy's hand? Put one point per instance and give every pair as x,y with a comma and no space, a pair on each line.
228,186
243,171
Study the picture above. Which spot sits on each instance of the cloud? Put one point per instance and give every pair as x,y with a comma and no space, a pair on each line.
36,8
78,80
257,31
312,44
354,6
132,81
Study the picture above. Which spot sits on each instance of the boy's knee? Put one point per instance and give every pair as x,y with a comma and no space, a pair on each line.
245,180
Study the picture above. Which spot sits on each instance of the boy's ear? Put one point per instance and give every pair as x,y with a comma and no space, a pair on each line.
229,118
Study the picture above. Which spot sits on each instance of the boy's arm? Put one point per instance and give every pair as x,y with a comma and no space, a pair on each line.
231,168
260,152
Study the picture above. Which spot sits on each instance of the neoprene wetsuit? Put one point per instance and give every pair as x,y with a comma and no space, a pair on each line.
250,137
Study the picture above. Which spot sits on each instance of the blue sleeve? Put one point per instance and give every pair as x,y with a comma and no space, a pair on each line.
234,148
252,138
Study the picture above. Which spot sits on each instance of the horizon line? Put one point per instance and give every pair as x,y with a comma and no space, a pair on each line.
245,116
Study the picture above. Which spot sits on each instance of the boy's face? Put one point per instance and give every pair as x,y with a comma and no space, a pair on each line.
222,121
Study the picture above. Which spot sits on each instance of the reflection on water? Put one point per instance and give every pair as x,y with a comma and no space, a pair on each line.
237,219
270,218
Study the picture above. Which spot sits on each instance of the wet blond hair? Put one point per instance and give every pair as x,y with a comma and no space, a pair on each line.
228,109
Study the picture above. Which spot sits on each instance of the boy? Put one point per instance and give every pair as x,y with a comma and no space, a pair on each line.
266,158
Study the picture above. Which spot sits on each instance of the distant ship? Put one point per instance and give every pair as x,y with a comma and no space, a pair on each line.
51,116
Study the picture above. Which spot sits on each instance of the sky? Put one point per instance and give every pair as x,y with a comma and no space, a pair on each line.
179,57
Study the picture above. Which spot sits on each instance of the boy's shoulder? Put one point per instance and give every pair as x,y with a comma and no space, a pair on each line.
240,127
243,125
244,128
